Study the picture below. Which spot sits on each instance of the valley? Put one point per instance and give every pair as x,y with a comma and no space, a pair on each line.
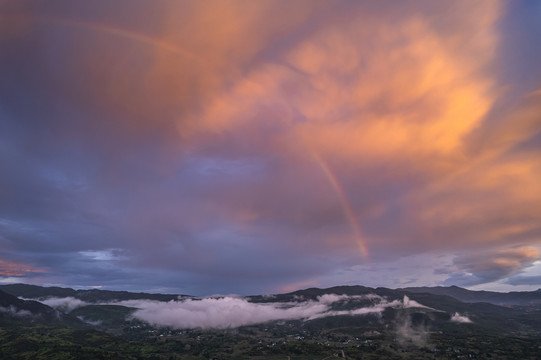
352,322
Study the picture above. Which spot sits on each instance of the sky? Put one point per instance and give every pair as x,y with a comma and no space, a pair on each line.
247,147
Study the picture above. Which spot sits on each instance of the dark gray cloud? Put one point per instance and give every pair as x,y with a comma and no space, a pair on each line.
487,267
524,280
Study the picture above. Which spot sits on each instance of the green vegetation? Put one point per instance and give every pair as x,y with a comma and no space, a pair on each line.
257,342
110,332
112,318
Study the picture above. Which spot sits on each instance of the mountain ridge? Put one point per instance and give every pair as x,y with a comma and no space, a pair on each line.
364,322
521,298
13,309
93,295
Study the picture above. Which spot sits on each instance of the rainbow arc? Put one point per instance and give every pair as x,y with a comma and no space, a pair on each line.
346,206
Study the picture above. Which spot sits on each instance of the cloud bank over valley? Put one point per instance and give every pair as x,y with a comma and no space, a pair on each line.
226,312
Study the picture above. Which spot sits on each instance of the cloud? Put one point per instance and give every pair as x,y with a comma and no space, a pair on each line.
488,267
203,312
13,311
407,333
226,312
12,269
102,255
66,304
91,322
460,318
230,312
524,280
180,141
408,303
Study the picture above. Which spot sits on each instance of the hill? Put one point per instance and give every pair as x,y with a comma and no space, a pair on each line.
522,298
357,321
93,295
16,311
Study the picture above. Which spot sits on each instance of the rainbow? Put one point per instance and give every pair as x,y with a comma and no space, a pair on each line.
346,206
121,33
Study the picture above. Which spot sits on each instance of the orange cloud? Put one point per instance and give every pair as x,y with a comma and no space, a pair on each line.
495,197
365,85
365,90
382,94
405,90
8,268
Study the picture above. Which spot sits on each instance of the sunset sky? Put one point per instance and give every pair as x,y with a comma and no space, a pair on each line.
204,147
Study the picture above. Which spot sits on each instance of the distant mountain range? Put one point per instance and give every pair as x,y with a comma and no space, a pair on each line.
524,298
373,323
93,295
521,298
110,309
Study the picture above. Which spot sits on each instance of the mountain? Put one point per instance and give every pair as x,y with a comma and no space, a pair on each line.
486,317
94,295
14,311
355,322
522,298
